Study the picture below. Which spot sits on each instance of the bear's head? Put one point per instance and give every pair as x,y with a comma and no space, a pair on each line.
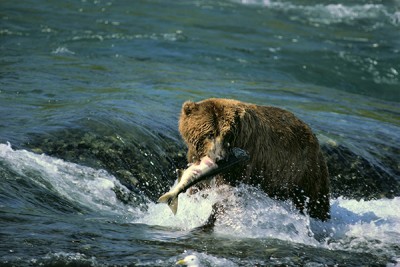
208,127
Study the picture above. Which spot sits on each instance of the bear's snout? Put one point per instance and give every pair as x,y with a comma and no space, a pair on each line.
217,150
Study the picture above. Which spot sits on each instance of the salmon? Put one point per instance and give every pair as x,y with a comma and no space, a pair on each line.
200,171
189,176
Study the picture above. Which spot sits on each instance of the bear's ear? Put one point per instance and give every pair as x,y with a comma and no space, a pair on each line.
188,107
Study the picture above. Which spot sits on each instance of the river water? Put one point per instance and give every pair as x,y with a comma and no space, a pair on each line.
90,94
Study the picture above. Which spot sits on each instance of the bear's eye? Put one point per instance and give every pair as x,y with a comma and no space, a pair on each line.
210,136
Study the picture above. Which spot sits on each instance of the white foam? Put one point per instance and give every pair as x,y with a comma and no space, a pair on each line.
329,13
361,226
63,50
249,213
64,258
364,225
87,186
355,225
395,18
193,211
255,215
208,260
204,259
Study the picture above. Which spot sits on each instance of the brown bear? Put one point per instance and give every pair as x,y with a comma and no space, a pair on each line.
285,158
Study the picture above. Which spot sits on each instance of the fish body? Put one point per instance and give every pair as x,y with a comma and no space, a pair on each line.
188,178
200,171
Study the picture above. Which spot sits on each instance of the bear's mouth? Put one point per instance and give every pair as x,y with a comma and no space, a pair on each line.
234,157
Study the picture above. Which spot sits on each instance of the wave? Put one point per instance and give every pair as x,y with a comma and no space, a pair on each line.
81,259
331,13
174,36
61,50
88,187
65,259
357,226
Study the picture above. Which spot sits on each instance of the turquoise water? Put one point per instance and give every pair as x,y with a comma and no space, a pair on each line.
90,94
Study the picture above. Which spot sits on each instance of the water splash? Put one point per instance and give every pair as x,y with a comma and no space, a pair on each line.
208,260
63,51
356,226
87,186
364,226
193,211
330,13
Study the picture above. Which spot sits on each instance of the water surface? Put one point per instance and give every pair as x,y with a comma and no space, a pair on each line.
90,94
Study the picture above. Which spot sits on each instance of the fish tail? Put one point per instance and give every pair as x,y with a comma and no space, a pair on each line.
172,201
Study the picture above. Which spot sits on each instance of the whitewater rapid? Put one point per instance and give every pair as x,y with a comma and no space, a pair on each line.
358,226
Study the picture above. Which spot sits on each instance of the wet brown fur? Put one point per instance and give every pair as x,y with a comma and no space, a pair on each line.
286,160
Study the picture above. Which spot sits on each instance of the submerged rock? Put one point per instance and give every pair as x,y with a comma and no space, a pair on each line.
143,167
146,165
354,176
